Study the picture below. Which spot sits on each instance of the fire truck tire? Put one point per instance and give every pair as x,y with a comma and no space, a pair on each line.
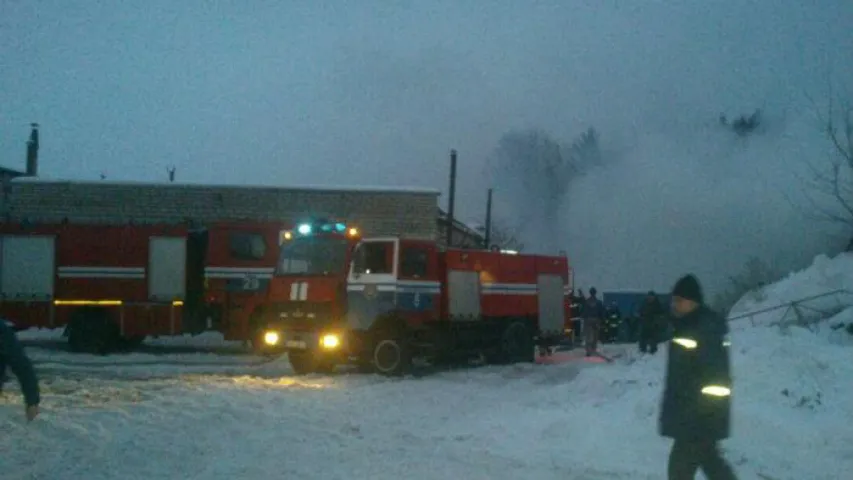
516,344
392,354
90,330
132,342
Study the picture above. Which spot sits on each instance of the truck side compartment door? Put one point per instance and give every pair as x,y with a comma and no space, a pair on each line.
27,267
551,304
464,289
167,260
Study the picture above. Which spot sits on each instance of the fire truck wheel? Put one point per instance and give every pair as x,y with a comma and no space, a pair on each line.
132,342
516,343
391,354
92,331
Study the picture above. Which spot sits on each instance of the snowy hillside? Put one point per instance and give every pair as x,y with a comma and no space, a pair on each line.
825,287
222,415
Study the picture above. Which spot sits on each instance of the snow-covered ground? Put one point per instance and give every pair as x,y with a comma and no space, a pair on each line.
224,415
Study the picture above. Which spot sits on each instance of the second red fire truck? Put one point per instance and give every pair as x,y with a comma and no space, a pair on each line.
381,302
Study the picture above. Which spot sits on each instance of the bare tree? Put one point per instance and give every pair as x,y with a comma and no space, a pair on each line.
835,183
755,275
502,236
533,168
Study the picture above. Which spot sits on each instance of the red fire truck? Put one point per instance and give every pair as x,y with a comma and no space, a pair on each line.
393,299
111,284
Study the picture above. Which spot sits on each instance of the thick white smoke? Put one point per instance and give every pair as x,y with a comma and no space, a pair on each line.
698,198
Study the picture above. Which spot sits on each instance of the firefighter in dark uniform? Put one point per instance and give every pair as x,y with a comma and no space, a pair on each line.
577,312
696,405
13,356
651,323
612,321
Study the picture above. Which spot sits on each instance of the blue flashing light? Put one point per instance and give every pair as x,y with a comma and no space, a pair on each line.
340,227
326,227
304,229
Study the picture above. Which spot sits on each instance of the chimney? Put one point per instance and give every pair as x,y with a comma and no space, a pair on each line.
33,151
451,202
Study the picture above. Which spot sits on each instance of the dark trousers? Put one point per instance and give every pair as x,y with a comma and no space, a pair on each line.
591,327
648,339
687,457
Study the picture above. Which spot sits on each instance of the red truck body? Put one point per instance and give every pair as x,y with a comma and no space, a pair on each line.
325,298
126,282
416,299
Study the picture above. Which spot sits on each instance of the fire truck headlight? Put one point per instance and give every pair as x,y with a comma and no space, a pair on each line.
330,341
304,229
272,338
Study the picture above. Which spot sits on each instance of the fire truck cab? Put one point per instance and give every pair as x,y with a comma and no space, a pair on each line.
393,299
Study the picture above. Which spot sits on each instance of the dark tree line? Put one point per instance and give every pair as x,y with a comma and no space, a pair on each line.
535,170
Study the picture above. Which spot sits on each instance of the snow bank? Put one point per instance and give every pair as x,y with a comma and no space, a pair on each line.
207,339
821,290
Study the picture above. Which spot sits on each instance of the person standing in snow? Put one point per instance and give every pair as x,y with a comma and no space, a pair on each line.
577,313
696,405
650,323
12,354
610,328
593,316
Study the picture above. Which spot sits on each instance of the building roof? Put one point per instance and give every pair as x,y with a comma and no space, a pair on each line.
460,226
320,188
10,171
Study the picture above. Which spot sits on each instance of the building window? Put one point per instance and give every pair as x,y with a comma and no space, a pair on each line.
414,262
247,246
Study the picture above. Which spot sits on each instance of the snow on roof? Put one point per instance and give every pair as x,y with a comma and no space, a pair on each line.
329,188
467,227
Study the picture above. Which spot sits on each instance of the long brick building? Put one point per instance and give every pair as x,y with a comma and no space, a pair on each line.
406,212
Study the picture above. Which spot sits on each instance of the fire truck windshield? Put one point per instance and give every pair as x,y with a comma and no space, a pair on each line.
314,255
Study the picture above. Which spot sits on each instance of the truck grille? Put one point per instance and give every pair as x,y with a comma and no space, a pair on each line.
300,315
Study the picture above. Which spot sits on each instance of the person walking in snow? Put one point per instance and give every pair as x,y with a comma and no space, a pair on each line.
12,354
650,323
696,405
593,317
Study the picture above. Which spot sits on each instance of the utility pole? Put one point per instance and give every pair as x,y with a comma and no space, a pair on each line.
451,199
487,236
33,151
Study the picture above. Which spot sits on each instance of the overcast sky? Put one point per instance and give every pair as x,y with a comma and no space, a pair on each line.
368,92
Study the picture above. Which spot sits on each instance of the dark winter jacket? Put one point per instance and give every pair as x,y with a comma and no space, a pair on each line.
651,315
697,394
13,356
593,309
651,307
